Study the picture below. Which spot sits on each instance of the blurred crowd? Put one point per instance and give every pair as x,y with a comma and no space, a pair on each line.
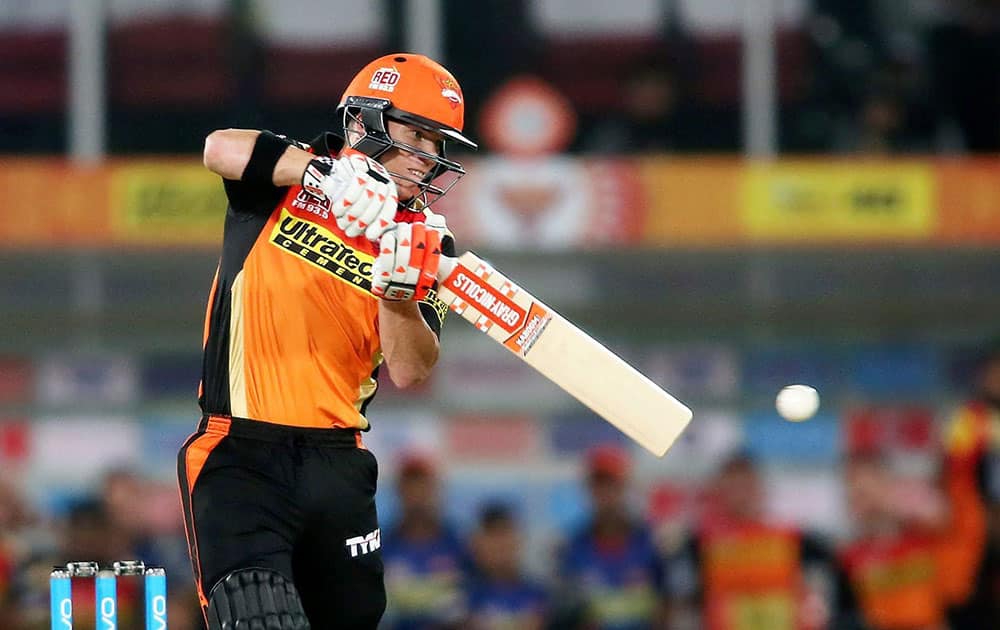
872,77
129,517
856,77
853,76
918,554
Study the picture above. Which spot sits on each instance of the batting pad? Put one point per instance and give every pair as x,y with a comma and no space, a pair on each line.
255,599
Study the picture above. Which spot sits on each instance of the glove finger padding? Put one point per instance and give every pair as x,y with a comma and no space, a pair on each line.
370,198
436,222
366,196
384,262
371,165
414,258
429,265
367,209
389,270
401,257
408,260
385,216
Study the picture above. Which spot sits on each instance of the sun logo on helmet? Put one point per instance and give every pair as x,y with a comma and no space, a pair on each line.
384,80
450,90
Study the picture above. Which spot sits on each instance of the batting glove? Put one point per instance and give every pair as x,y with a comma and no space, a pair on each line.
362,196
407,265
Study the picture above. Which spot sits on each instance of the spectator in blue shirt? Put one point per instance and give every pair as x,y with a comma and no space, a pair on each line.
611,564
422,555
500,597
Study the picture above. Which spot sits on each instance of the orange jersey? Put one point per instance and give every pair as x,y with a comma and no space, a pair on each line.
971,446
911,580
752,576
291,330
896,582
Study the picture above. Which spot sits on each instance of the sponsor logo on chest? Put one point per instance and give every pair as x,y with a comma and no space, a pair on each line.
323,249
320,206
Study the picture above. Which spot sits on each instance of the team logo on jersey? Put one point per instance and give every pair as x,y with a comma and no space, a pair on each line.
450,90
384,80
323,249
318,205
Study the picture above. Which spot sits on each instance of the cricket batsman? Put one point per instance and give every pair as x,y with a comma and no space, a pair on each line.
327,271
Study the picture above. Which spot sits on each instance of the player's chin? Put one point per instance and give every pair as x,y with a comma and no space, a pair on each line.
407,190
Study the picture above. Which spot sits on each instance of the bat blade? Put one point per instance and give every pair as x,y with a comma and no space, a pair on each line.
563,353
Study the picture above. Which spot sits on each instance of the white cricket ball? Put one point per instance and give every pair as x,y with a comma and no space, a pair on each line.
797,402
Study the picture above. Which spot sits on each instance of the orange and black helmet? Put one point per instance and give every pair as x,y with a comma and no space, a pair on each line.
414,90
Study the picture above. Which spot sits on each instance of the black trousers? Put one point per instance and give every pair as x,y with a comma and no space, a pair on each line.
298,501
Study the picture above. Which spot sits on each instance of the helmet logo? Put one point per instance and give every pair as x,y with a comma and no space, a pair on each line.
452,96
450,90
384,80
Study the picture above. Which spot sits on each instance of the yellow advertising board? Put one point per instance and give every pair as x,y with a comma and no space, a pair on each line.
48,202
653,201
838,202
969,199
691,202
166,204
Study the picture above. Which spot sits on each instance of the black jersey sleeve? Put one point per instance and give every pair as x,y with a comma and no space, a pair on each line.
250,198
247,200
682,570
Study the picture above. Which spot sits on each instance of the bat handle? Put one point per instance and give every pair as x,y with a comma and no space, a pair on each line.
446,266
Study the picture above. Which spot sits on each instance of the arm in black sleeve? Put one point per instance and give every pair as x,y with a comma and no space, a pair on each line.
846,614
816,552
682,586
820,573
682,579
255,193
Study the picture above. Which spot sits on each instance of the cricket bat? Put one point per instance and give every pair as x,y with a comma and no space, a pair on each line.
563,353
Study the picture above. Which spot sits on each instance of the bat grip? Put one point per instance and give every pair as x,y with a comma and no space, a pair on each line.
446,266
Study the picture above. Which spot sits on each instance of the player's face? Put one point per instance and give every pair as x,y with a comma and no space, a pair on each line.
741,492
497,551
607,494
867,488
990,379
122,493
91,537
418,494
407,164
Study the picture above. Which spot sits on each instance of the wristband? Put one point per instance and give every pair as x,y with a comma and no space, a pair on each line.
267,150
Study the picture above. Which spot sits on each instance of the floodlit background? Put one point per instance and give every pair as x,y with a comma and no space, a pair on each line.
734,195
